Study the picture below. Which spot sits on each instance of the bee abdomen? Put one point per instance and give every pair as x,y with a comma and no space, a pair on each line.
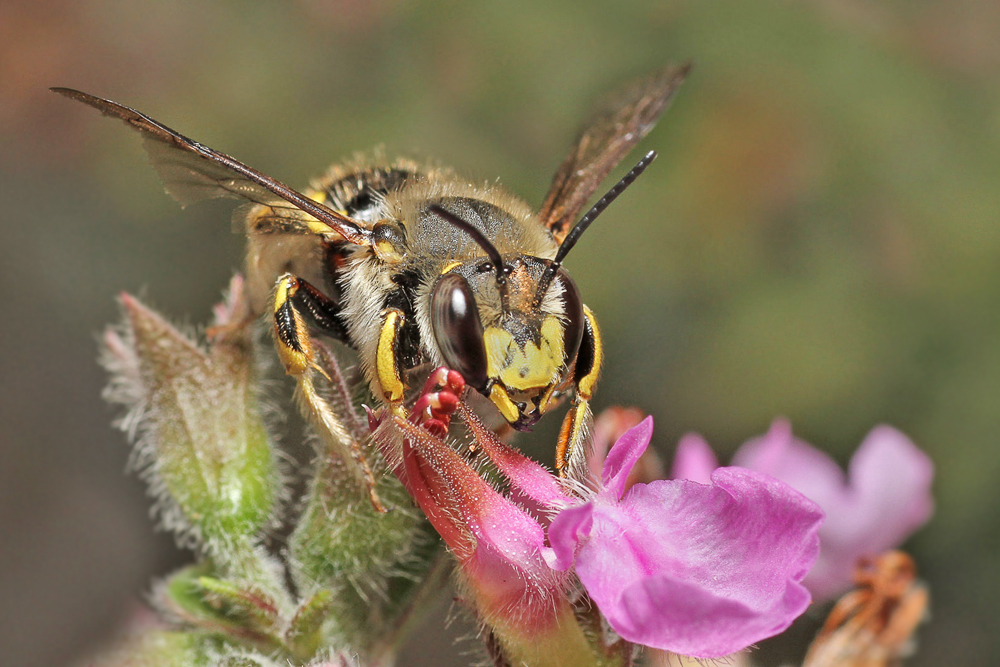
358,193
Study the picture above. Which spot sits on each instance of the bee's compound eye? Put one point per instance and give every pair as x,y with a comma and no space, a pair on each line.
458,330
573,331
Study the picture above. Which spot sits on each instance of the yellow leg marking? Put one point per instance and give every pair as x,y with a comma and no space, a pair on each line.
389,376
585,385
506,406
292,339
290,333
572,435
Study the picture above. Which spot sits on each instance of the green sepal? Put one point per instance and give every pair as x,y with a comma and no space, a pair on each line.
304,634
245,616
247,606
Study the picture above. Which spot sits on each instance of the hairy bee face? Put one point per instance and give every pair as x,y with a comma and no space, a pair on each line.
512,344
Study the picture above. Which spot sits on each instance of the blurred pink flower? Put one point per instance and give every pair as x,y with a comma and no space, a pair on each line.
885,496
700,570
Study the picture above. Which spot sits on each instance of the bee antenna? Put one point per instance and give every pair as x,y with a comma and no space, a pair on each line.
480,240
581,226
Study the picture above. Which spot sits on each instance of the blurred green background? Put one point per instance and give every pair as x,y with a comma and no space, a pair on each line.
819,240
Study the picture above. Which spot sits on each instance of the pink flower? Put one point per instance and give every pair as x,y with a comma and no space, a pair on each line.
882,500
703,570
497,543
697,569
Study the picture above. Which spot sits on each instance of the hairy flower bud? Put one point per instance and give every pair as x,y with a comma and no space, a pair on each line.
373,563
199,437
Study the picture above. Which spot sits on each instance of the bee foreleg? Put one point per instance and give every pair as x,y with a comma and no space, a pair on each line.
387,366
298,354
324,311
577,426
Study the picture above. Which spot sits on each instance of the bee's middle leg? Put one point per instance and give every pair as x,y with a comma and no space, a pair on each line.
292,297
298,353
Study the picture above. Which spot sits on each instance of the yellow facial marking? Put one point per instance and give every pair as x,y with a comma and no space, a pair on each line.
530,367
506,406
385,357
449,266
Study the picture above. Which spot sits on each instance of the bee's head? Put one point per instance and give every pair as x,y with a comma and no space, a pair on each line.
520,353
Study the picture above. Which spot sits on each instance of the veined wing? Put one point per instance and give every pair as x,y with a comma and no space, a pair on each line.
625,118
192,171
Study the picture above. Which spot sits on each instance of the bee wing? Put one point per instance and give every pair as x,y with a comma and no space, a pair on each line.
192,172
625,118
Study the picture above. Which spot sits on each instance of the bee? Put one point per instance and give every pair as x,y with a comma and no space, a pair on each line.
415,267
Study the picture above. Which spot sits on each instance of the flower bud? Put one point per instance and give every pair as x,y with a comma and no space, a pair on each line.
193,414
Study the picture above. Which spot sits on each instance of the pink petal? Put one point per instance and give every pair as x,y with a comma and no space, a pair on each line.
694,460
610,425
885,499
571,528
889,497
894,478
624,455
529,480
695,569
461,505
796,463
